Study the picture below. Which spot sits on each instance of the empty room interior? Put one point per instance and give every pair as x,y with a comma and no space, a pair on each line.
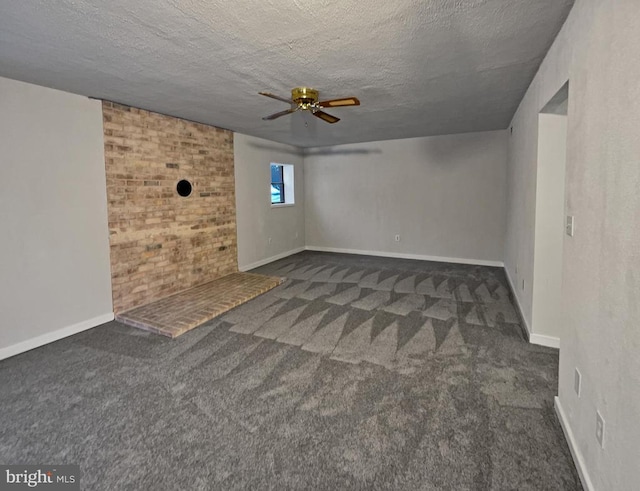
320,245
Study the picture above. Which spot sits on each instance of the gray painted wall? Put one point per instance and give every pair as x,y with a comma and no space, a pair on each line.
257,220
597,52
444,195
54,266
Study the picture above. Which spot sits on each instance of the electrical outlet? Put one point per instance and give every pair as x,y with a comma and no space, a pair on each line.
523,284
600,429
570,225
577,382
269,240
397,238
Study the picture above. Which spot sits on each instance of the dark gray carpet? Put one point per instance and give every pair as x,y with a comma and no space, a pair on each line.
356,373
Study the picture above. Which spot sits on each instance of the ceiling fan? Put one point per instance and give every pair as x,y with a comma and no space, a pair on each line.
306,99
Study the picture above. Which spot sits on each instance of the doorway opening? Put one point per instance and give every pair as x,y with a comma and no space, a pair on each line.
546,318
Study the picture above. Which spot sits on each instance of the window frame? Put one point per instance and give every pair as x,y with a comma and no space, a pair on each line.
288,185
278,184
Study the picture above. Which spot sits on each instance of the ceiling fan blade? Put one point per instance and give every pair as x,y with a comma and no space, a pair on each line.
276,97
345,101
281,113
326,117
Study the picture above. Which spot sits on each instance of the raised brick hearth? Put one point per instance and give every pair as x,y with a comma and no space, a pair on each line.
177,314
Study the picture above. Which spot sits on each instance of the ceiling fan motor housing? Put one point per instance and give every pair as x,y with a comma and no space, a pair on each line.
304,96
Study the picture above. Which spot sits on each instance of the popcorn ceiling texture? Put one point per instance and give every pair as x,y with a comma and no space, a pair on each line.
419,68
162,243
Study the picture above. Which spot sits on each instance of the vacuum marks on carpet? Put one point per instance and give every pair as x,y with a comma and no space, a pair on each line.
386,316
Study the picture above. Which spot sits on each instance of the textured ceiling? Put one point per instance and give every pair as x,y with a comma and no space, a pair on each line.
419,67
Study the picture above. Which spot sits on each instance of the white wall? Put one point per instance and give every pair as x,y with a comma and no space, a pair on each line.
598,51
54,262
257,220
549,222
444,195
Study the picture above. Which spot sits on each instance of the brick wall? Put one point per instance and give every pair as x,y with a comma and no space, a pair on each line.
162,243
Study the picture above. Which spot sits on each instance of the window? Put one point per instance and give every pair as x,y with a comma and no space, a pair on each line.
277,184
282,185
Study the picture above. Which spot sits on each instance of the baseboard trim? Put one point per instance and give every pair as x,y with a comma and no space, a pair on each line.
578,460
268,260
399,255
543,340
539,339
50,337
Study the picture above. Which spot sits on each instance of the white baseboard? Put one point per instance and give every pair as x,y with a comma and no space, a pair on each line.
268,260
515,295
543,340
578,460
50,337
540,339
399,255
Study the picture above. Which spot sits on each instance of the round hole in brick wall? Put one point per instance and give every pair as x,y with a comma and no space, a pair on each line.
184,188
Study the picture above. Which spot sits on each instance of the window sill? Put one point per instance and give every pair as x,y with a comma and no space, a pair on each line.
282,205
